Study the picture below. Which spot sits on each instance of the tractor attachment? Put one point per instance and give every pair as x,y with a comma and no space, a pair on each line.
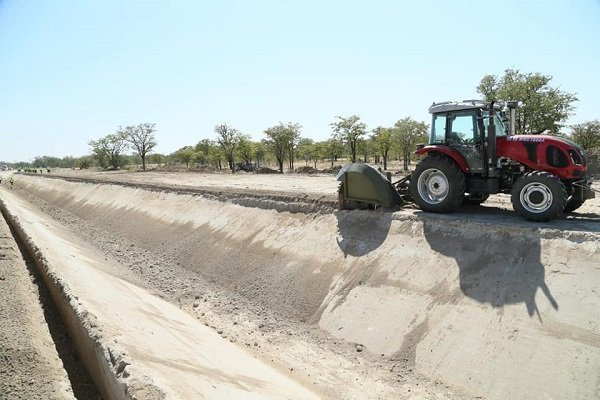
364,187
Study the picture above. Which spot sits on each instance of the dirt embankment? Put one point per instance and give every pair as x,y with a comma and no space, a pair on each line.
480,304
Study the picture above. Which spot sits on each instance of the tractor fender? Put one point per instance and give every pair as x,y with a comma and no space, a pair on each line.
447,151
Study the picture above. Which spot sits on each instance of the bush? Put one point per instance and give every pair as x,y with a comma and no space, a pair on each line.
306,170
266,170
593,159
333,170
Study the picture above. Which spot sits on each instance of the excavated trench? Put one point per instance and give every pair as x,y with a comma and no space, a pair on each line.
38,359
466,306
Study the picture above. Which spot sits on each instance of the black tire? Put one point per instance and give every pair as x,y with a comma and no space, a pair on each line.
574,201
477,200
437,185
539,196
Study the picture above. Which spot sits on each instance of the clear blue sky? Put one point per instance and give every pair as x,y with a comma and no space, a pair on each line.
72,71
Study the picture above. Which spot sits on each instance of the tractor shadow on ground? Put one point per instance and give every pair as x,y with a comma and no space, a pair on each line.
496,267
575,221
362,231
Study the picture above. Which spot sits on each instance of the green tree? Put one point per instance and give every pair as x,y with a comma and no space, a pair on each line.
306,149
543,107
184,155
363,148
109,149
332,148
228,138
216,156
382,142
349,130
203,149
67,162
319,151
587,134
83,162
245,150
294,136
408,133
141,138
281,139
46,162
260,151
156,158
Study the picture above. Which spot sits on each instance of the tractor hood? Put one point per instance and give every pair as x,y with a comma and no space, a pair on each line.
557,155
557,140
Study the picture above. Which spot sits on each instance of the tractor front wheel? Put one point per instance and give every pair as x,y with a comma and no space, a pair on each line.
437,185
574,201
539,196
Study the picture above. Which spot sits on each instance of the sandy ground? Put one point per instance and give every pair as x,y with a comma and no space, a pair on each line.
359,304
282,183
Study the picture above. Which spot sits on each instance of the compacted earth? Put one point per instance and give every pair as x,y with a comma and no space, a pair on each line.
351,304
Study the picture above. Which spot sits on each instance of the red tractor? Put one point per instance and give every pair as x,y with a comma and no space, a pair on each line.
472,154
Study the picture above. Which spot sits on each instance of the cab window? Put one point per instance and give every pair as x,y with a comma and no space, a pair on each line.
463,129
501,129
438,129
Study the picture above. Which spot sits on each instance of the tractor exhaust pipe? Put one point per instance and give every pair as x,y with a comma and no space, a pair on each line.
491,143
512,117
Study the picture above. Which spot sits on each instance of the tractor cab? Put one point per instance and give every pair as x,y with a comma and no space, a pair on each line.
463,126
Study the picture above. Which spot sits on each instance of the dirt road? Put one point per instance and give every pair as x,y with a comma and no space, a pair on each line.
358,304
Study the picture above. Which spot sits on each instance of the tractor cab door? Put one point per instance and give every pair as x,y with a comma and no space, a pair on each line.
463,134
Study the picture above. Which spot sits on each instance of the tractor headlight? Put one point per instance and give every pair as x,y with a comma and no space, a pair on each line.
576,159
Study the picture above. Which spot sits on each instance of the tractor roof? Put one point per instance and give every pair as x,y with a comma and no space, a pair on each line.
461,105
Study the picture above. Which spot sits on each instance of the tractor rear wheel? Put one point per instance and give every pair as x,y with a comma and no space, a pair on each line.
437,185
539,196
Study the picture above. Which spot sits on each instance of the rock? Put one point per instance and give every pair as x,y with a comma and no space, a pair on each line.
359,348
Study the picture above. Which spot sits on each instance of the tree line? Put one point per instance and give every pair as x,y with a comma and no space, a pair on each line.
543,109
283,145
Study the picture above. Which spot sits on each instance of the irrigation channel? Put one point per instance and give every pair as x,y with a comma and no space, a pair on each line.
191,286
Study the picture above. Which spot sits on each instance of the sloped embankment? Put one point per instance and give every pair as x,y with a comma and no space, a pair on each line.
503,311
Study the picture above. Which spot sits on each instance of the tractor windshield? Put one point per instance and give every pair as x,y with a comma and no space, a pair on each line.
501,128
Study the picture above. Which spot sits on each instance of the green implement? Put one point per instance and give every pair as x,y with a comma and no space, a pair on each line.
362,186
